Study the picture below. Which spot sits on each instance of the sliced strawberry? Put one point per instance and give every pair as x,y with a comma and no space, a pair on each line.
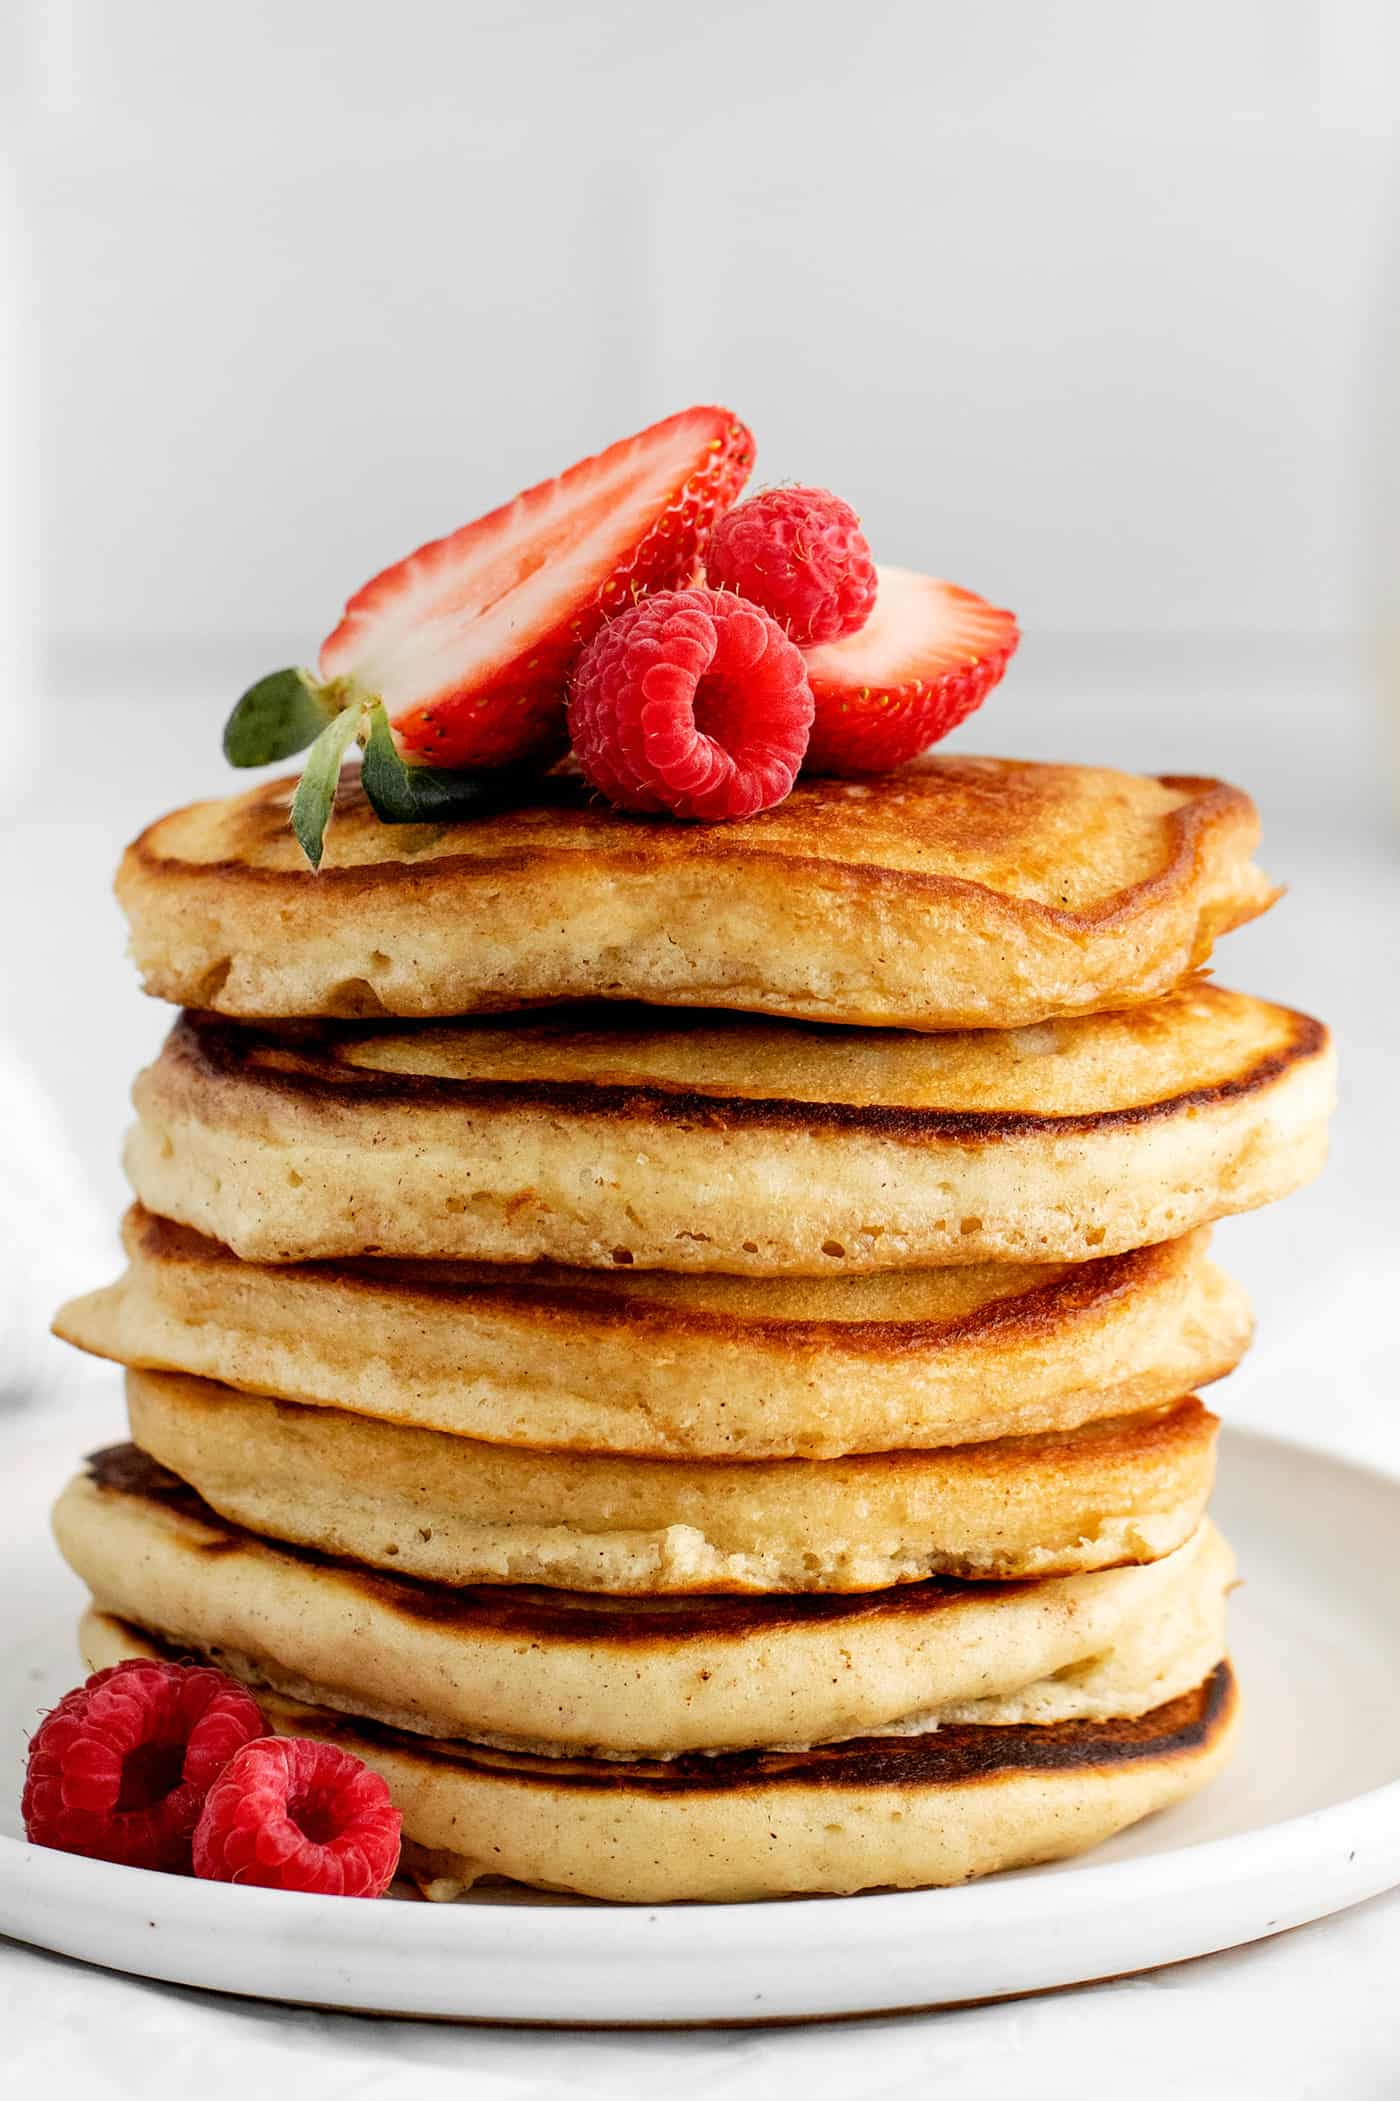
928,655
469,641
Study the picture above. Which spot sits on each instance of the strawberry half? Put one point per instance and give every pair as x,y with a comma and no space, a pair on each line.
928,655
469,641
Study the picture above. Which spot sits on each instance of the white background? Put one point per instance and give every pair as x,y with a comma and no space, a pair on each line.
1081,302
1089,304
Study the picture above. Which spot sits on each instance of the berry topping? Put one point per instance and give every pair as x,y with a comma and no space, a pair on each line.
801,555
289,1813
469,641
121,1768
694,702
928,655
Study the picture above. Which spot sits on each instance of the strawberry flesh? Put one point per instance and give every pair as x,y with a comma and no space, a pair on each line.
928,655
469,641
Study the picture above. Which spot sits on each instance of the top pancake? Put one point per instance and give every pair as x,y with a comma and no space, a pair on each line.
958,893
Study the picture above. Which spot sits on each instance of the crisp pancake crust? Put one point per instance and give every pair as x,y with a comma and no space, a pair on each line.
540,1669
958,893
611,1138
649,1363
454,1511
879,1812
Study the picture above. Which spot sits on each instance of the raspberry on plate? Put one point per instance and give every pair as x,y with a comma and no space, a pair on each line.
694,702
801,555
292,1813
121,1767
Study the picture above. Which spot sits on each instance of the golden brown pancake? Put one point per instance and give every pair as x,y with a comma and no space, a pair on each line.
624,1137
878,1812
659,1365
958,893
455,1511
548,1670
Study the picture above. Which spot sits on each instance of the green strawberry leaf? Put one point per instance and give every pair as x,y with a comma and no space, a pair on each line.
281,714
402,794
315,797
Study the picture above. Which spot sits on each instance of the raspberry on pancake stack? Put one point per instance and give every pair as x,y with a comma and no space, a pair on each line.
676,1342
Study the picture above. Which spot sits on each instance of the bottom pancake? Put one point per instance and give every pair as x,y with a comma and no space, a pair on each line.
897,1812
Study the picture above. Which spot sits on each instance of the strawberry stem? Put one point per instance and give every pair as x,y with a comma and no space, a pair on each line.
315,797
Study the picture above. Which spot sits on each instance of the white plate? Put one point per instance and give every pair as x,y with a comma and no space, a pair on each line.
1305,1821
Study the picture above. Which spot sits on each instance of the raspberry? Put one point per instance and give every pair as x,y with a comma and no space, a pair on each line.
694,702
290,1813
120,1769
801,555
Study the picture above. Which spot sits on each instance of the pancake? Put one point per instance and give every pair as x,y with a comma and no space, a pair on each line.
659,1365
455,1511
541,1670
959,893
621,1137
879,1812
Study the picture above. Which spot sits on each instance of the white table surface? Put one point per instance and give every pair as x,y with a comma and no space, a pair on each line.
1312,2013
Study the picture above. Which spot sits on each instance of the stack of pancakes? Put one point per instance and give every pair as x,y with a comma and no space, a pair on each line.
730,1431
